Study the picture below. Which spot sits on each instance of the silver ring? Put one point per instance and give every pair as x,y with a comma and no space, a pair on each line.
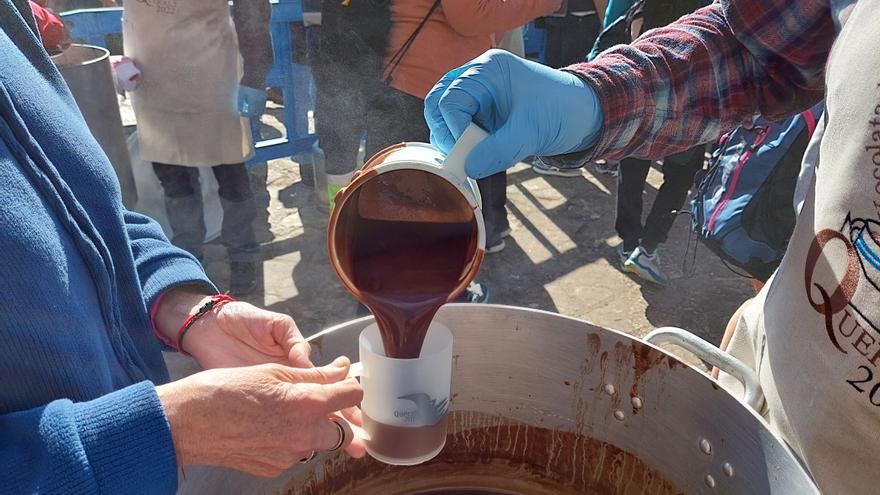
341,441
309,458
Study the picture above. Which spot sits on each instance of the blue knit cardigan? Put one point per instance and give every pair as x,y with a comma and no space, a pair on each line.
78,360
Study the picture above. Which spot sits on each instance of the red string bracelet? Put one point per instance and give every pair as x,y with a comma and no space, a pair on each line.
215,302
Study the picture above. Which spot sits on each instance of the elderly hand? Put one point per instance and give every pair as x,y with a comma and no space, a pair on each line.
235,334
528,109
261,419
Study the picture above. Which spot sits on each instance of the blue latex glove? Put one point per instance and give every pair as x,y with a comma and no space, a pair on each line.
251,102
527,108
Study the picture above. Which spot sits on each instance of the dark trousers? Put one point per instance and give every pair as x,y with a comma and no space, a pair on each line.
183,203
395,117
569,39
347,70
678,175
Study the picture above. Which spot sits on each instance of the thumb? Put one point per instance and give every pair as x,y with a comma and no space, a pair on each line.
331,373
496,153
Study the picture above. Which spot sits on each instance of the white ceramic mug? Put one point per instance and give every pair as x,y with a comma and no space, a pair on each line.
405,400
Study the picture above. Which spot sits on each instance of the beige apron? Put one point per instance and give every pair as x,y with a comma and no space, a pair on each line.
813,333
185,105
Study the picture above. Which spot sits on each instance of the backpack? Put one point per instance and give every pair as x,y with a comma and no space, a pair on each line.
742,209
642,16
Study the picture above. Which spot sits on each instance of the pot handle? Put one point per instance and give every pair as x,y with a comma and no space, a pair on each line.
454,162
753,395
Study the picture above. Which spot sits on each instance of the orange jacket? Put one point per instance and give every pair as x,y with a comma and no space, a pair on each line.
458,31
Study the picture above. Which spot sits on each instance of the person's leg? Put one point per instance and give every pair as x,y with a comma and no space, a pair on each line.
237,232
630,188
493,191
394,117
554,41
678,177
183,205
343,70
578,38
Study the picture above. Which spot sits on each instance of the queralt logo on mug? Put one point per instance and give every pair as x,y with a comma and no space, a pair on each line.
427,412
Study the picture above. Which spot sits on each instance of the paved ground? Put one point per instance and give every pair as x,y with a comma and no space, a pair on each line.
559,258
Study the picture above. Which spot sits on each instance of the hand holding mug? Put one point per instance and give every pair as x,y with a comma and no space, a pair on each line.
262,419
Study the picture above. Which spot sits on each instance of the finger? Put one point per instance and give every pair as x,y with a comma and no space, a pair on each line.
300,355
471,98
494,154
285,332
331,373
441,136
342,395
328,433
357,448
353,415
460,102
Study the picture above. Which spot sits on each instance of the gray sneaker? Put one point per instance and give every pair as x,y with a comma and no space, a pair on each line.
622,256
605,167
542,168
646,266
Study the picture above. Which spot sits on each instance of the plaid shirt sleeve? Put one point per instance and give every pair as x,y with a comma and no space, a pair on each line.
686,83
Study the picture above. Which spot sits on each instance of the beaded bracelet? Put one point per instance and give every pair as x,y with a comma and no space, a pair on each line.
215,302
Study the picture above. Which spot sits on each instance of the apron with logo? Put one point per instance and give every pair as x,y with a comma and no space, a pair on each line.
185,103
813,333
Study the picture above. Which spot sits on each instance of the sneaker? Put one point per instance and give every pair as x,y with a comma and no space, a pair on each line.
622,255
544,169
242,278
606,168
475,293
646,266
506,232
497,247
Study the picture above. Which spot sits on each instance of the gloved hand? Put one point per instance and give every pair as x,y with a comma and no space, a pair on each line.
251,102
527,108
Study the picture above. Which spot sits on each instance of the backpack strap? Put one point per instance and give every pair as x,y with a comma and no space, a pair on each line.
810,119
395,59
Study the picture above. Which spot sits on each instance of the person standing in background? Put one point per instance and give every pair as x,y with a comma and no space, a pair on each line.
464,28
637,252
351,51
570,33
190,106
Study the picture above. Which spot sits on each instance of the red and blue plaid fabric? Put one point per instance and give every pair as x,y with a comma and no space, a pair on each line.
711,71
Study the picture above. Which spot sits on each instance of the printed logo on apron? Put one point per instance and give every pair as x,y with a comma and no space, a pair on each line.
849,326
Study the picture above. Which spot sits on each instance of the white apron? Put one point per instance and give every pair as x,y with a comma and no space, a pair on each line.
185,103
813,333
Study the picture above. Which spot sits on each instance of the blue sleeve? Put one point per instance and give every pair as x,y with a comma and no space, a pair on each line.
119,443
160,265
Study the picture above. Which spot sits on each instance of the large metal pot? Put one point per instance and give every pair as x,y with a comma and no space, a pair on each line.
87,72
544,403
